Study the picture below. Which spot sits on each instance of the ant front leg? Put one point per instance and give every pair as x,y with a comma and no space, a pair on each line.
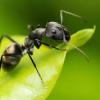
38,43
52,46
8,37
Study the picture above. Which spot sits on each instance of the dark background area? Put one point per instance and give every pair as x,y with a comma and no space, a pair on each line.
79,80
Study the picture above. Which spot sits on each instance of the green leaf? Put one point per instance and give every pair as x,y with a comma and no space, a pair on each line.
23,82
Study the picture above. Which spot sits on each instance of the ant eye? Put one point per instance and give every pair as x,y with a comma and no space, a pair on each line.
54,31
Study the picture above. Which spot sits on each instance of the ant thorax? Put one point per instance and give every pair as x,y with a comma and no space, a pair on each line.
38,33
28,45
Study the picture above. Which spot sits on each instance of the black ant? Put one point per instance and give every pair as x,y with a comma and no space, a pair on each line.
14,52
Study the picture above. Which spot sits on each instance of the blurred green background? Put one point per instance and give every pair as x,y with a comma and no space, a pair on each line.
79,80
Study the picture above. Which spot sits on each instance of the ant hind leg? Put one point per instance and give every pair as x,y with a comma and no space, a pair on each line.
8,37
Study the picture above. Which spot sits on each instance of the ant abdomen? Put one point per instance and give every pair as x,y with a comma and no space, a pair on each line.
11,56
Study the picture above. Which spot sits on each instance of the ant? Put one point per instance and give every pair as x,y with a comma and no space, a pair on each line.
15,51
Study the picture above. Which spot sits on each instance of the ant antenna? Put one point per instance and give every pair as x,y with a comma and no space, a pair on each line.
80,51
69,13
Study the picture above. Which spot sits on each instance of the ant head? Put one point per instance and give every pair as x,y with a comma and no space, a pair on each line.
56,31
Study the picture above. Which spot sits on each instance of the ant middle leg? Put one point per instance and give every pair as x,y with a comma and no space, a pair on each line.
31,28
34,65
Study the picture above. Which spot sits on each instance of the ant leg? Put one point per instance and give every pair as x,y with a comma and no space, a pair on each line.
37,43
34,65
8,37
31,28
52,46
38,26
0,62
64,38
